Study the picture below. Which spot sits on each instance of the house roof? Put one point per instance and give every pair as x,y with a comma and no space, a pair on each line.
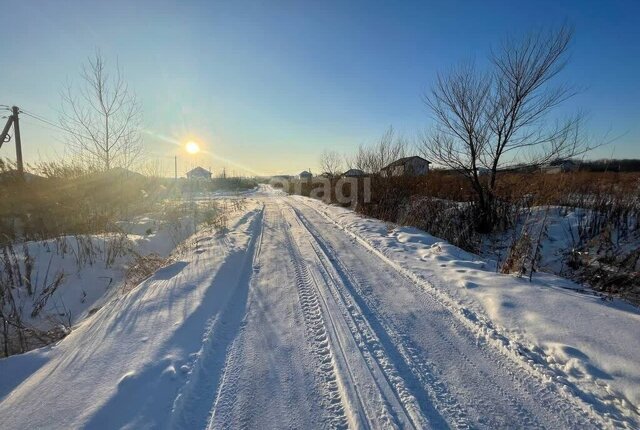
198,170
305,173
404,160
354,172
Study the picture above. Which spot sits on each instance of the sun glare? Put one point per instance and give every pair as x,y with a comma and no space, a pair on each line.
192,147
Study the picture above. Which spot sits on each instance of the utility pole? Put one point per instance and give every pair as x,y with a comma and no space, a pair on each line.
16,131
13,119
175,166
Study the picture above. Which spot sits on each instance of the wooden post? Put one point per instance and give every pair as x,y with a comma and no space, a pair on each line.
16,131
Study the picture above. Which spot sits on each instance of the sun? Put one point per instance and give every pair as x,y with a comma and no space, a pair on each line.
192,147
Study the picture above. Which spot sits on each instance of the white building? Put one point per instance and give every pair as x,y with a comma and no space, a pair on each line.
407,166
199,173
305,175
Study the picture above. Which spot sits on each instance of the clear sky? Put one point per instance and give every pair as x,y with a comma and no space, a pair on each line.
264,86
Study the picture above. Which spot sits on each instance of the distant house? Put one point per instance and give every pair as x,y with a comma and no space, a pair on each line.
407,166
199,173
354,173
560,166
326,175
305,175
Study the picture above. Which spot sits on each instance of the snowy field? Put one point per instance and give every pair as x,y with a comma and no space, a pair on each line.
56,283
303,315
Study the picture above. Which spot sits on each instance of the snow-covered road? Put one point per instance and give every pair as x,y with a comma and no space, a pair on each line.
333,334
285,322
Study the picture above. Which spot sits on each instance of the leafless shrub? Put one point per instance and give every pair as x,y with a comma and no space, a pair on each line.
116,245
238,205
45,293
215,215
221,223
444,219
331,162
372,158
85,252
604,254
524,253
28,263
519,252
61,245
17,336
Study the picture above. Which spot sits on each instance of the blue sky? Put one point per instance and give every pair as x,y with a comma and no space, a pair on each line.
265,86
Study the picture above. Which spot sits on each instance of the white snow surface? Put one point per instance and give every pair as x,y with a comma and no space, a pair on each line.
88,281
305,315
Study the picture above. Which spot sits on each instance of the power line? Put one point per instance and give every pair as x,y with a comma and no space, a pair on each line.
46,121
40,124
39,118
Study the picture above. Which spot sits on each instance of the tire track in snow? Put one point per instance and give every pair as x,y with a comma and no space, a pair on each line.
401,408
414,383
320,344
403,347
335,398
192,407
533,380
228,382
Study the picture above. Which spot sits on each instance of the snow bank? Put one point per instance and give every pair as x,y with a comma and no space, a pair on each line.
122,366
589,345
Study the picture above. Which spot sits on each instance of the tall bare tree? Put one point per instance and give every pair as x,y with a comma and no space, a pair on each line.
371,158
489,120
331,162
102,117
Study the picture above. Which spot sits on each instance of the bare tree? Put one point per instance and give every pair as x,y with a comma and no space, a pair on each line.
359,159
331,162
102,117
487,121
372,158
153,169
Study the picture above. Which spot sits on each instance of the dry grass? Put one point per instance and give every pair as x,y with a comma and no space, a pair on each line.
141,268
70,201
